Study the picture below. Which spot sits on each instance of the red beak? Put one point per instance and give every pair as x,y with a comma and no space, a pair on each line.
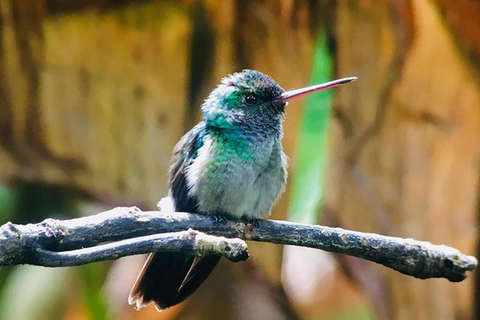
287,95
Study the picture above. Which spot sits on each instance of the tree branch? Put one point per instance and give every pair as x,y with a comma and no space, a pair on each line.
78,241
197,242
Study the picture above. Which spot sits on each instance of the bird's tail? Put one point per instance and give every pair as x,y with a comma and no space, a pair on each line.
168,278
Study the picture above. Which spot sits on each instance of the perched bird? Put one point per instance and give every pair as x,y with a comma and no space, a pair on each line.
230,165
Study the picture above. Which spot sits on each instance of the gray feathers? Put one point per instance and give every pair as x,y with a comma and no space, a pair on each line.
230,164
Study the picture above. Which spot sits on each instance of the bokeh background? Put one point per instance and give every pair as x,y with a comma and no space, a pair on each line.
94,95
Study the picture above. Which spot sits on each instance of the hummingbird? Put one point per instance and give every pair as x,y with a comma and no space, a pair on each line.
230,165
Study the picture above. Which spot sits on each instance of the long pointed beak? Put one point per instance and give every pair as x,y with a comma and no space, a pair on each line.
287,95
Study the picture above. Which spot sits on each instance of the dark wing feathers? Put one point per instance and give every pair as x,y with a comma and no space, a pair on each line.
168,278
200,270
184,153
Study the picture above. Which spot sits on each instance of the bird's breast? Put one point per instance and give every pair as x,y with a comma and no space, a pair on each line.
238,177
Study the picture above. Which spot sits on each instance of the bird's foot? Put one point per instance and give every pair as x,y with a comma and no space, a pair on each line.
219,218
253,221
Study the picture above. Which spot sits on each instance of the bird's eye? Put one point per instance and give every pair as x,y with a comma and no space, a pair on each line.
251,99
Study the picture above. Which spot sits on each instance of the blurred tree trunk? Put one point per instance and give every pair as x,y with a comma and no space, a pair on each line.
69,82
94,95
405,145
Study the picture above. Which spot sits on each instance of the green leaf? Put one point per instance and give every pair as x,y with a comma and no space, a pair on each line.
93,277
310,157
358,311
8,200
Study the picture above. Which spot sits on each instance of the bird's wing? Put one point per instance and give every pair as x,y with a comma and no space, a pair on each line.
168,278
184,154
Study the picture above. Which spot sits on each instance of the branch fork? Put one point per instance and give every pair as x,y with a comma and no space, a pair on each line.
127,231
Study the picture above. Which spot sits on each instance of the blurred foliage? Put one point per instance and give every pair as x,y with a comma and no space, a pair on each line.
28,202
309,161
355,312
307,179
92,277
32,293
8,202
93,96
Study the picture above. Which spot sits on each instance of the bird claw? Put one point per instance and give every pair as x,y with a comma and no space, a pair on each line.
219,218
253,221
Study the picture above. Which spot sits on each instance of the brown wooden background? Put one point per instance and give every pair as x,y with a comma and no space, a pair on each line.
94,94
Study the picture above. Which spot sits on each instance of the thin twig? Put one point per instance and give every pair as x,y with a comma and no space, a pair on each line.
197,242
19,243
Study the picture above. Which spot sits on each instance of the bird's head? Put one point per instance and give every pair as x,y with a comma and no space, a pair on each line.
242,100
252,100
